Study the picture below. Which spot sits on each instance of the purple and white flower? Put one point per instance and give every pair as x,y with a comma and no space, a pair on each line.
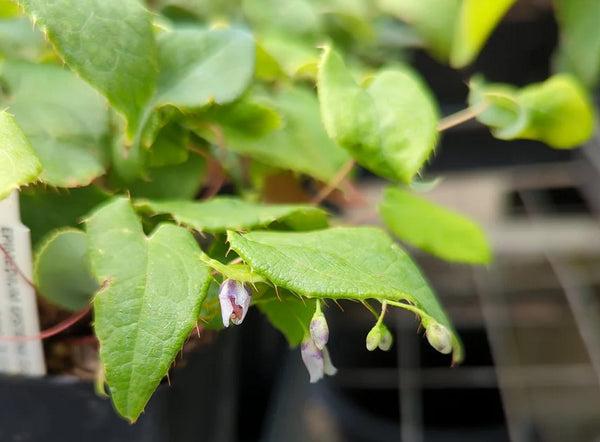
317,361
234,297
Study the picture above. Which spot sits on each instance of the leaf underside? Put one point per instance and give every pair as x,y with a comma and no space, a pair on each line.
226,213
341,263
432,228
18,163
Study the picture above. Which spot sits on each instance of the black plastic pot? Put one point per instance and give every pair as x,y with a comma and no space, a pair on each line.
200,405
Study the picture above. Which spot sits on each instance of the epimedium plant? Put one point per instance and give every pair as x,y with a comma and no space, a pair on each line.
119,113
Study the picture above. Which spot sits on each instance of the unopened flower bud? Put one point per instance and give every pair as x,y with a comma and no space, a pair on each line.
319,331
379,336
234,298
386,340
439,337
374,338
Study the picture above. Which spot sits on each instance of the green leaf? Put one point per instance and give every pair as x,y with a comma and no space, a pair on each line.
210,312
170,146
561,113
62,270
390,127
267,67
556,111
225,213
198,67
19,40
18,163
44,209
250,118
432,228
150,301
181,181
579,49
453,30
65,120
357,263
110,43
295,17
300,144
292,54
434,20
9,9
288,313
476,21
502,111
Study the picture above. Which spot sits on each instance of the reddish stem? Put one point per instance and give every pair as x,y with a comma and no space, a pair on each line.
16,267
54,330
334,183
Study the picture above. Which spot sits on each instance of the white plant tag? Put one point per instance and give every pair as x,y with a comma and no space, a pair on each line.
18,311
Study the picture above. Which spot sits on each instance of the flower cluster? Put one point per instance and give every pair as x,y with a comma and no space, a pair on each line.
314,350
235,296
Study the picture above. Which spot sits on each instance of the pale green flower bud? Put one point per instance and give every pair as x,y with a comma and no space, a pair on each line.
385,343
379,336
374,338
439,337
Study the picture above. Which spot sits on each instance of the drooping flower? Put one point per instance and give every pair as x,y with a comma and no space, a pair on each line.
234,297
439,337
328,367
317,361
319,330
313,359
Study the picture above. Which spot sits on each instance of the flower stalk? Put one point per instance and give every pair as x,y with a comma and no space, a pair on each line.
314,350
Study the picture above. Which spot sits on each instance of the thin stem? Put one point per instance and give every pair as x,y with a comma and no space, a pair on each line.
334,183
371,309
16,267
198,152
216,181
227,271
411,308
384,305
235,261
58,328
461,116
318,309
